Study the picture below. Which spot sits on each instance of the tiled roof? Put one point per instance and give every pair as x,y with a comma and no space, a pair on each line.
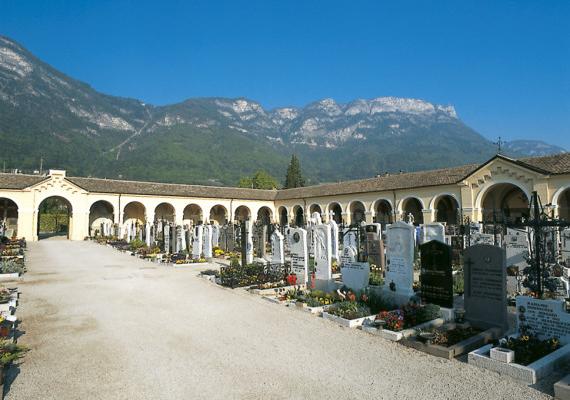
407,180
19,181
555,164
97,185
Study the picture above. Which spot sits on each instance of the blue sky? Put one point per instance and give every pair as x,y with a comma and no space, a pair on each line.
504,65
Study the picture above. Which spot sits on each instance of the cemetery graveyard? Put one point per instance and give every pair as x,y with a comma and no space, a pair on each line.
493,295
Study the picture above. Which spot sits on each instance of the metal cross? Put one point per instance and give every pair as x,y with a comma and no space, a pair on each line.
499,143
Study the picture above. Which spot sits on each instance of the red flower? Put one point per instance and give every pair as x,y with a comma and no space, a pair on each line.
291,279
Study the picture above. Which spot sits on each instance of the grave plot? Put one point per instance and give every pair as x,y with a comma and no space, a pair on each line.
12,265
485,306
541,343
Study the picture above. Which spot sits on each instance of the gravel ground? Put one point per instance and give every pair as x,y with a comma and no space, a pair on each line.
104,325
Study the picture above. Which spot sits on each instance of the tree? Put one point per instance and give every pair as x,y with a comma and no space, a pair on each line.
260,180
294,177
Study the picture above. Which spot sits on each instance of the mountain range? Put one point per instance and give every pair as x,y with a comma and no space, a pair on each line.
47,115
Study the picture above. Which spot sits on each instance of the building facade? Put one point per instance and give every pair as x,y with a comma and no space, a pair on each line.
500,188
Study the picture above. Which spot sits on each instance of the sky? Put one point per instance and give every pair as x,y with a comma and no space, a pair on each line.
504,65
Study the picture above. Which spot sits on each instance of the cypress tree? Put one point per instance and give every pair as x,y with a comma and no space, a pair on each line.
294,178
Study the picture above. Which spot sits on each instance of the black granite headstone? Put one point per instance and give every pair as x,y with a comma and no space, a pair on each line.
436,274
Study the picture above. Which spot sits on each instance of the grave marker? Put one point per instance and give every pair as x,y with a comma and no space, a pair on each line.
433,231
297,238
197,242
355,275
277,250
485,286
323,254
436,274
400,257
544,318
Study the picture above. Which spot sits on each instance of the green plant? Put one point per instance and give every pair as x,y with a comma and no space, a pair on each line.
136,244
11,267
529,348
349,310
451,337
376,279
375,301
10,352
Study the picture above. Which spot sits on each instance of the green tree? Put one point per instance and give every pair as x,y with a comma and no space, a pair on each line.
260,180
294,177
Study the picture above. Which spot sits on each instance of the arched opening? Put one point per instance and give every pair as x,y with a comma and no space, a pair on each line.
446,209
283,216
164,212
504,202
357,212
54,217
8,218
384,212
413,206
564,205
100,218
299,216
134,212
242,213
219,214
315,208
264,215
337,212
192,213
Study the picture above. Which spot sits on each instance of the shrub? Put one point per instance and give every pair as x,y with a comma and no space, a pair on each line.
349,310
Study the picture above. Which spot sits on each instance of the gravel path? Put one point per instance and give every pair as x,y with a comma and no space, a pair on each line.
104,325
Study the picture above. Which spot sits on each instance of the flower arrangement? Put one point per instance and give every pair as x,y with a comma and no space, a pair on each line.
291,279
217,252
394,320
349,310
529,348
10,352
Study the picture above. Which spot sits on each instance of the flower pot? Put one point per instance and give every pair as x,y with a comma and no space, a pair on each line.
426,337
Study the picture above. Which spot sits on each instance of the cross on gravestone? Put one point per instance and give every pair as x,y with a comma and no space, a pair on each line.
297,237
485,295
436,274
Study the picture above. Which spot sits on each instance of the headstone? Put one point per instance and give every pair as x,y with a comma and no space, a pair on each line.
565,247
188,236
457,246
355,275
260,239
482,238
349,238
323,254
166,235
173,248
517,250
248,242
277,251
375,246
317,220
349,255
436,274
197,242
434,231
215,235
297,238
182,237
207,242
485,294
400,257
544,318
334,238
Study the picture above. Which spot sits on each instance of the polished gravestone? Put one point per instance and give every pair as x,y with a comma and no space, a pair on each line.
436,274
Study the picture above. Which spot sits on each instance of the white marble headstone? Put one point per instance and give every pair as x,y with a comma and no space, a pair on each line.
249,242
400,257
297,238
349,238
277,250
349,255
544,318
355,275
323,254
334,238
197,242
434,231
207,241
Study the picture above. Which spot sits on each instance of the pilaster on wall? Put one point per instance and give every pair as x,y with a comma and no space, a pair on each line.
369,216
27,220
346,217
